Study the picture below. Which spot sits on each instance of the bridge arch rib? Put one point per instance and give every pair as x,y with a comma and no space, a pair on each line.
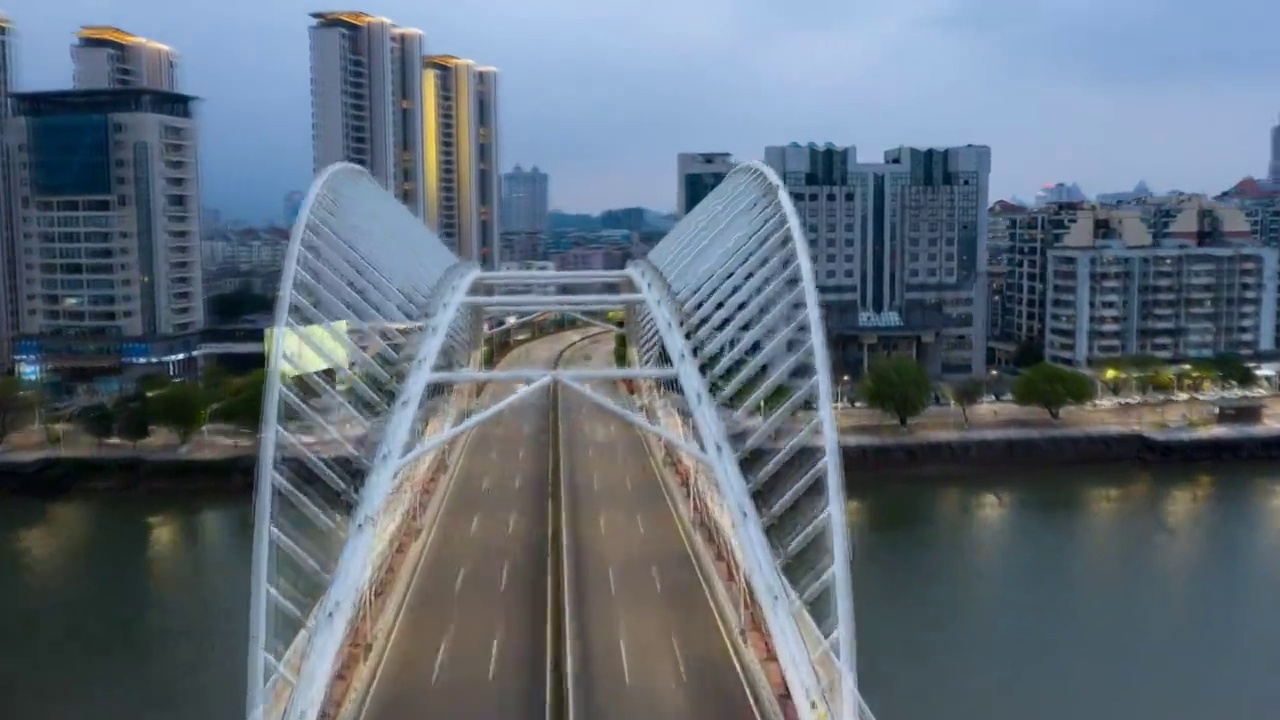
368,298
733,306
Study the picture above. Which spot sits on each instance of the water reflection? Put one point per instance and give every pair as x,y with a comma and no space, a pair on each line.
52,546
1153,588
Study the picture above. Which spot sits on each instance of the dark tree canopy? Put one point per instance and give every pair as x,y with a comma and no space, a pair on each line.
898,386
97,421
180,408
1052,387
966,393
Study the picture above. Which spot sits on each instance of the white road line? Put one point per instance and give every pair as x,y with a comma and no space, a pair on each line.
679,659
474,522
601,523
521,453
444,645
518,476
493,654
511,522
457,584
612,589
628,481
503,583
622,645
595,481
485,484
590,451
656,579
640,524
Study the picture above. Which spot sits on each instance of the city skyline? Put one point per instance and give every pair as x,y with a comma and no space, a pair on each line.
1050,110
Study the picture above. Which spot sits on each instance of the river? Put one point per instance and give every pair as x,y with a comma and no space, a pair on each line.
1111,594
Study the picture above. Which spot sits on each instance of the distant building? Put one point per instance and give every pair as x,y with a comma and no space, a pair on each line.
697,174
8,217
1273,168
525,198
899,249
462,179
367,100
108,57
115,289
630,219
1138,193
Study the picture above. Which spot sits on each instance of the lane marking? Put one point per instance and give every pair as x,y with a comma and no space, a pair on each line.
628,481
612,590
679,658
595,481
601,523
474,522
519,475
444,645
522,450
590,451
622,645
656,579
502,586
640,524
457,584
511,522
493,654
485,484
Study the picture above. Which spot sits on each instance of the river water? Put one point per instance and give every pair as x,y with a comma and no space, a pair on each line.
1100,593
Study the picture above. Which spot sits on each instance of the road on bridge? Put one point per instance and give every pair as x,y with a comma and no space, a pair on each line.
471,639
647,642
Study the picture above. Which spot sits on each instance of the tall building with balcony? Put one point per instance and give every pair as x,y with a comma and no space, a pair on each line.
8,228
697,174
462,178
108,57
899,248
106,191
525,200
366,100
1273,168
1187,283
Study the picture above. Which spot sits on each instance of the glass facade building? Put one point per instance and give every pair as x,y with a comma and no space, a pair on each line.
71,155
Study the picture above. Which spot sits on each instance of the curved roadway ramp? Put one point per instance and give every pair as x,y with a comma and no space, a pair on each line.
471,639
647,643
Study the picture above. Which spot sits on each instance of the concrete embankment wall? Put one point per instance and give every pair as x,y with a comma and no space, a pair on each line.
55,475
1054,449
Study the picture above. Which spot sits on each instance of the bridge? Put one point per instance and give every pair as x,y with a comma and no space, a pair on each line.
629,518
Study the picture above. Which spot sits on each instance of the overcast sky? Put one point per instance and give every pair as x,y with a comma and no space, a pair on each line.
602,94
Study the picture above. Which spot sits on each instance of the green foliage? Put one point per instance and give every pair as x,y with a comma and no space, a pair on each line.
243,406
13,402
153,382
617,318
132,423
1052,387
234,305
966,393
1028,353
1233,369
898,386
180,408
97,421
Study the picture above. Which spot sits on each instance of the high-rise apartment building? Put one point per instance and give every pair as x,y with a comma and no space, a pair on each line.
8,226
366,100
899,248
697,175
525,200
1273,169
106,192
108,57
462,176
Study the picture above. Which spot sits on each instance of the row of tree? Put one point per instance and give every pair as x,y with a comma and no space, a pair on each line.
901,387
157,402
1147,373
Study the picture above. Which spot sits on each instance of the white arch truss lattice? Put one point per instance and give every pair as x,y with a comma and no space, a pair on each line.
373,320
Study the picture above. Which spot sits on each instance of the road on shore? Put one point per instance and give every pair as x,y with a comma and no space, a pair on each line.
471,641
647,642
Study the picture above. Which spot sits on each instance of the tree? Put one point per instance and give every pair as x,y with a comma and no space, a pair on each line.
966,393
13,402
132,423
1233,369
244,406
1052,387
899,386
1028,353
215,381
97,421
153,382
180,408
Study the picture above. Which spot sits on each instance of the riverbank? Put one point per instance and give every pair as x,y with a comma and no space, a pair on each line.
51,475
1066,446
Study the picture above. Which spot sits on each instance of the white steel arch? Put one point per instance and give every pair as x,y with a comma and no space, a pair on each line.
369,297
733,306
373,319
